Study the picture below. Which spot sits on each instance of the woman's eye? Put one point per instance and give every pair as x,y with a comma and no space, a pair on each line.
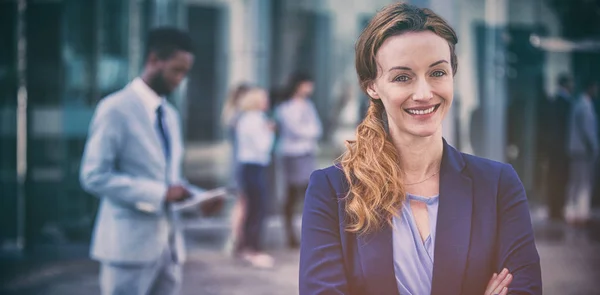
438,74
401,79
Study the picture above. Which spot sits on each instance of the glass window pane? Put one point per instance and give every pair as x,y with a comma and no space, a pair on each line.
78,51
8,103
114,35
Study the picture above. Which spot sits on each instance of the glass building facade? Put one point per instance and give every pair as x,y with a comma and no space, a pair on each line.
76,53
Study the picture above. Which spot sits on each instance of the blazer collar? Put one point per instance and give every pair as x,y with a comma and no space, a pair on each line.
452,236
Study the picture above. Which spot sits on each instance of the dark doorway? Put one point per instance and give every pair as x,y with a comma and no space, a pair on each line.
525,85
205,81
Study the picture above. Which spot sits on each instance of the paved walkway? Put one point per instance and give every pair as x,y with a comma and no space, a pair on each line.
570,265
205,273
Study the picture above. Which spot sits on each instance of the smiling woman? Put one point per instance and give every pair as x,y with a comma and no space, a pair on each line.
404,212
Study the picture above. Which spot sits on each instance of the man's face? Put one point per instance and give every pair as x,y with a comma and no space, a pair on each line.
169,73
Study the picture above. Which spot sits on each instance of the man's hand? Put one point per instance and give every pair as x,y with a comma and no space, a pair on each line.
499,283
177,193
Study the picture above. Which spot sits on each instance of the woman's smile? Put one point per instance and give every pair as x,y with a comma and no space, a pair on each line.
423,112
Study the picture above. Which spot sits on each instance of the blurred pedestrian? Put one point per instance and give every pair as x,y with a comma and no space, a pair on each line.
554,128
230,116
255,137
299,132
132,162
596,179
404,212
584,148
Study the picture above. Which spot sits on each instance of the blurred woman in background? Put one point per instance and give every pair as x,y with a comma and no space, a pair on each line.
254,136
229,118
299,132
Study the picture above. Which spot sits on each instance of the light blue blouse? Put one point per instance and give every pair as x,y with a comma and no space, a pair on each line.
413,258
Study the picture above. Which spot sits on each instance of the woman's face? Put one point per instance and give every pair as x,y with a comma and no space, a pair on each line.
305,89
414,82
263,100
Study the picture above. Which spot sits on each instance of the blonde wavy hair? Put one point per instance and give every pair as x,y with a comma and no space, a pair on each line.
371,162
231,106
252,99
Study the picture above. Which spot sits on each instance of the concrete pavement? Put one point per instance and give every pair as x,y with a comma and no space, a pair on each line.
570,266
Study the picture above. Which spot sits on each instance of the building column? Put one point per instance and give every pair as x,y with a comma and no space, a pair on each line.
249,39
21,122
136,51
494,100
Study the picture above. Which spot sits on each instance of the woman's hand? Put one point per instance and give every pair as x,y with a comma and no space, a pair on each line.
499,283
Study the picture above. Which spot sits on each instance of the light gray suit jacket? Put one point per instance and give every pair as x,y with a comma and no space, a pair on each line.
124,165
583,135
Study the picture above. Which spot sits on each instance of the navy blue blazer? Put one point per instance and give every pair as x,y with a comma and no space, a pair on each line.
483,226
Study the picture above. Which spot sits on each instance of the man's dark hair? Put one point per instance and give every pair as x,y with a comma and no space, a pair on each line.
165,41
564,79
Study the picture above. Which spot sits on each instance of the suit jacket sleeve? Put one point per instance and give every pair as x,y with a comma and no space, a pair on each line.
321,260
516,245
99,174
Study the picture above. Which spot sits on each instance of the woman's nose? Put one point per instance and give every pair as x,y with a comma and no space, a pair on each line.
422,91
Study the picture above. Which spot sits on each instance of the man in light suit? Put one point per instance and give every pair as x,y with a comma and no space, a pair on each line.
132,162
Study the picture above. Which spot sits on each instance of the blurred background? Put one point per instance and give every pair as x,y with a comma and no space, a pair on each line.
58,58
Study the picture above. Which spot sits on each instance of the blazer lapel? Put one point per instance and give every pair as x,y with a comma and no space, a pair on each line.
150,131
453,228
377,260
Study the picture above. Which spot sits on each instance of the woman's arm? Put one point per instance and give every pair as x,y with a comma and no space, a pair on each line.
516,245
321,261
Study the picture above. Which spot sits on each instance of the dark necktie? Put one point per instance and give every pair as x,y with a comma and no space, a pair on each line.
164,136
163,131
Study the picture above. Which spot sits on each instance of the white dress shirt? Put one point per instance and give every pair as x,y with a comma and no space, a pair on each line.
151,101
149,98
299,126
254,138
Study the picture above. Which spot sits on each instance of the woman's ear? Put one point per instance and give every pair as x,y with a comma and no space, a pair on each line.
372,92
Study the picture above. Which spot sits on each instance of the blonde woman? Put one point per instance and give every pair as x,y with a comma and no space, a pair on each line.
230,116
404,212
254,136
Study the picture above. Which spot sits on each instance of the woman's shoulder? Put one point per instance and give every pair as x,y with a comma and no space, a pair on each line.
482,163
331,179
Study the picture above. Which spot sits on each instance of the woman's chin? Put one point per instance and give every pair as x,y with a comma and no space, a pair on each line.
423,132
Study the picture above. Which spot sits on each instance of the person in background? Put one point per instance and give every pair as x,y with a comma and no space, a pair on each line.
596,179
230,116
555,130
583,148
404,212
254,136
132,161
299,131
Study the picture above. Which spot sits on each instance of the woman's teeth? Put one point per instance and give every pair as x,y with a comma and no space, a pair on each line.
422,112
